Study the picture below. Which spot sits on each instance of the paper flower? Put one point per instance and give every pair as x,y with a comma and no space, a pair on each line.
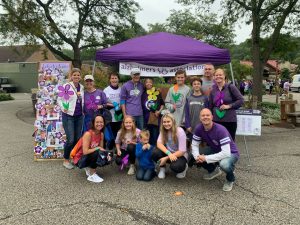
219,99
38,149
42,83
50,88
47,101
152,94
91,103
39,106
57,108
58,135
65,92
124,162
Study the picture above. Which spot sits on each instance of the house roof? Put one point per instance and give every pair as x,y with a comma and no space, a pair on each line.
270,63
19,53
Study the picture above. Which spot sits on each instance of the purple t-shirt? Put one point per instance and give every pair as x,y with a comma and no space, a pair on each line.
132,93
92,100
215,138
78,107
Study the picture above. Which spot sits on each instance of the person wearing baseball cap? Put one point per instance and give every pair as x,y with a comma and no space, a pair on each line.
94,101
131,98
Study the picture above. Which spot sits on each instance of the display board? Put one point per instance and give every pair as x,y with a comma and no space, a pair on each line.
248,122
49,138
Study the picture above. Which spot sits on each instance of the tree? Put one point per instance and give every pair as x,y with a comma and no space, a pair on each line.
79,24
199,26
267,17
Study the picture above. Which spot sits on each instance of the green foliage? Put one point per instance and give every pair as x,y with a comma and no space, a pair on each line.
267,18
285,74
270,111
5,97
200,26
240,71
91,24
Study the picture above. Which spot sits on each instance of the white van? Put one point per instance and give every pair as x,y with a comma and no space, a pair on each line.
296,83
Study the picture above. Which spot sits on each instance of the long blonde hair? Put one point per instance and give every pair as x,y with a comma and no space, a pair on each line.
164,132
123,129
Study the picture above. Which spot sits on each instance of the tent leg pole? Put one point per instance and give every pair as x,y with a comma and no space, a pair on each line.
93,71
232,77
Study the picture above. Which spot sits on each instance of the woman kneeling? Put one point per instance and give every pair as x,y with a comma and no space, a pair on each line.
93,153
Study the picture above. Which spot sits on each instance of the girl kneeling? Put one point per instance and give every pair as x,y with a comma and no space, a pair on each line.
171,146
126,140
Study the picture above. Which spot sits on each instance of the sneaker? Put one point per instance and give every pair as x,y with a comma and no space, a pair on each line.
209,176
87,171
94,178
227,186
68,165
162,173
182,174
131,170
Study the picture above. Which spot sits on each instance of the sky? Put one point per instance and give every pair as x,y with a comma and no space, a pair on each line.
157,11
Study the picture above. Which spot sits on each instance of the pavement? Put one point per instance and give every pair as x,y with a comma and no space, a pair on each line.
267,192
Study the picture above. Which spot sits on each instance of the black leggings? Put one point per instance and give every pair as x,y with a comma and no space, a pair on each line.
92,159
177,166
231,128
131,151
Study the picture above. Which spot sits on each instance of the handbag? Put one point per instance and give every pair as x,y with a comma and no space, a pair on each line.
102,159
153,120
106,115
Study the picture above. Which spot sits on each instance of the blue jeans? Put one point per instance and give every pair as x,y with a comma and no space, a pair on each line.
73,128
139,121
227,164
145,174
154,132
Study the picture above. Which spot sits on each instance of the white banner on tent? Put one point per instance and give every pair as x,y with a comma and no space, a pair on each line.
157,71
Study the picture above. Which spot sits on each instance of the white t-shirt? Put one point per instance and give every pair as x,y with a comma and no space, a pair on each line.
286,85
113,96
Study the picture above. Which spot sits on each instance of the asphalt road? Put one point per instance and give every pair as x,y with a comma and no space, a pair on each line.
46,193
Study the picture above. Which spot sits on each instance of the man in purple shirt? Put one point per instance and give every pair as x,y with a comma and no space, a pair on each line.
131,98
220,149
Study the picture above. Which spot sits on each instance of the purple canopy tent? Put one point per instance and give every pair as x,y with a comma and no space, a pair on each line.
163,49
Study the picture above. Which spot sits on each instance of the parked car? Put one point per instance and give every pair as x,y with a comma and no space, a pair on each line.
6,86
295,83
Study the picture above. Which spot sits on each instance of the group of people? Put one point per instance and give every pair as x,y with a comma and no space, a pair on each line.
195,125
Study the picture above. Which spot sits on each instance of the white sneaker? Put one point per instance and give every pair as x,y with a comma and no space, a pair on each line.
162,173
94,178
87,171
227,186
68,165
131,170
182,174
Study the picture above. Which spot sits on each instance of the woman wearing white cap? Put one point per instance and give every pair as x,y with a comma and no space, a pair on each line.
94,100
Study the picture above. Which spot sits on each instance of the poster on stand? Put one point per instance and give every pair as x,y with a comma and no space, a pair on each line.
49,135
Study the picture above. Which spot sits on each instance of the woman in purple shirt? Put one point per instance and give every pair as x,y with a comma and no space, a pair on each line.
224,99
94,100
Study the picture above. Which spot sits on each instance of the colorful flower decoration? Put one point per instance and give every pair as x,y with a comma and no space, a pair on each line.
57,108
48,101
42,83
58,135
65,92
38,149
39,106
91,103
152,94
50,88
176,96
